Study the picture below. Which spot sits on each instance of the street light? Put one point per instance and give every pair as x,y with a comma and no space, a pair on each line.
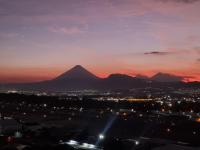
137,142
101,136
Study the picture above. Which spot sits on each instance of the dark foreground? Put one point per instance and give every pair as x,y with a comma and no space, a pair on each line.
70,122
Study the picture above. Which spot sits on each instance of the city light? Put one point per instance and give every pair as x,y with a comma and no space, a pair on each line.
87,146
101,136
72,142
137,142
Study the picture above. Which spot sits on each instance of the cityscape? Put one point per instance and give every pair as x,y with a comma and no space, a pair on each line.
150,116
99,75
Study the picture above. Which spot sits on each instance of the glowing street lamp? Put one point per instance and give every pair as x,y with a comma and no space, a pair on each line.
101,136
137,142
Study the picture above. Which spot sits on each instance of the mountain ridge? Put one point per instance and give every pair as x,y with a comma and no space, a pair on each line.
78,78
166,77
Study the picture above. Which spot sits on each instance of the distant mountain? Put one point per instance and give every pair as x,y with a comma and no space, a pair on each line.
121,81
77,72
164,77
120,77
78,78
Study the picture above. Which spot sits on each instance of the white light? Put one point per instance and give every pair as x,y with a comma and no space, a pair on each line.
18,134
89,146
85,144
101,136
72,142
137,142
170,105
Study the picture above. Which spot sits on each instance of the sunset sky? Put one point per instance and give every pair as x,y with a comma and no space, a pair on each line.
40,39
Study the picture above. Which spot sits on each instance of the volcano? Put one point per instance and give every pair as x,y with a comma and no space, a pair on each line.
165,77
77,72
78,78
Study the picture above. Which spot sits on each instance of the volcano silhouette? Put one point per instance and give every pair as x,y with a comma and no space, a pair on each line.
165,77
78,78
77,72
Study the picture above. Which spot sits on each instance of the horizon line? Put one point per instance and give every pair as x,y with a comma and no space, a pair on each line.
184,78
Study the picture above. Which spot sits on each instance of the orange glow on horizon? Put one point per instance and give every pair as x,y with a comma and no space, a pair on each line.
39,74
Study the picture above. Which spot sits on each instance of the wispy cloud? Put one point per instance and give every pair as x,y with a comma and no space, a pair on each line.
8,35
170,51
180,1
67,30
157,53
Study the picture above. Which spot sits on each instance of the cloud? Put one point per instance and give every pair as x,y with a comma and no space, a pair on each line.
67,30
198,60
8,35
180,1
157,53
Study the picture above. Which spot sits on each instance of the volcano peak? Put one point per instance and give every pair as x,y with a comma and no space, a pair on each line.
77,72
